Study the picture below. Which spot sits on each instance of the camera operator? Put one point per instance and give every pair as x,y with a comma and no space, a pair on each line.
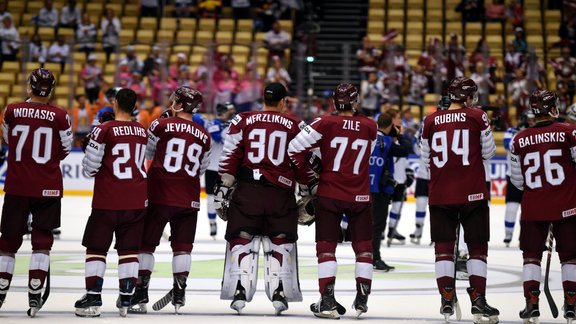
382,181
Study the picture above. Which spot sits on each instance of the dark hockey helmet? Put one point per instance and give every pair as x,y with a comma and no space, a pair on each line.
190,99
345,97
462,88
222,108
110,94
41,82
544,102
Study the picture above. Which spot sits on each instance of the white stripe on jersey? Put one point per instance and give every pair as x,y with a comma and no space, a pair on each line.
93,159
151,145
231,144
305,139
488,144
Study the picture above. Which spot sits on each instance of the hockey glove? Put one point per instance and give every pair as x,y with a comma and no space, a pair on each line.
107,116
222,194
315,163
306,210
85,142
409,177
309,189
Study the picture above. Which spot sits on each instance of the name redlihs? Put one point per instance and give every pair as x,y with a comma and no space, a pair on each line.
34,113
270,118
129,131
450,118
547,137
186,128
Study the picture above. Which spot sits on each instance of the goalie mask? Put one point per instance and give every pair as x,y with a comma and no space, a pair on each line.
306,210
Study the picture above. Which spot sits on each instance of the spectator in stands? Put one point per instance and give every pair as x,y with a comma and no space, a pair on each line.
124,75
82,116
249,90
518,92
182,8
368,58
276,41
91,75
481,76
418,86
181,62
184,79
229,65
455,58
428,64
149,8
519,40
154,58
132,60
225,88
535,73
163,88
200,75
567,34
48,15
4,10
496,11
240,9
399,59
37,52
210,8
70,15
86,35
512,61
370,95
515,13
472,10
264,16
277,73
565,71
482,54
58,52
390,83
137,85
10,40
111,27
149,113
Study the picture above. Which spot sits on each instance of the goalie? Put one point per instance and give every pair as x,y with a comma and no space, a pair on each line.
255,195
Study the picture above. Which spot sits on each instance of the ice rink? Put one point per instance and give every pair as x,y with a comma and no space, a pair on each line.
406,295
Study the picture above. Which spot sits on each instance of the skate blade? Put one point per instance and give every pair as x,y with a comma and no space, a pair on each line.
333,314
123,311
415,241
532,320
279,307
360,312
33,311
238,305
397,242
461,275
177,309
93,311
138,309
481,319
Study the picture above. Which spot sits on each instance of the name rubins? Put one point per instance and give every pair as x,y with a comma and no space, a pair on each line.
450,118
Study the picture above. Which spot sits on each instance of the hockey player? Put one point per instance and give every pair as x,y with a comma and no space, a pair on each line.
542,161
571,114
115,158
179,150
38,137
217,129
262,208
345,141
456,142
513,195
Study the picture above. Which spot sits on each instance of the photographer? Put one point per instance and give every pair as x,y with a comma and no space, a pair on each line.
382,181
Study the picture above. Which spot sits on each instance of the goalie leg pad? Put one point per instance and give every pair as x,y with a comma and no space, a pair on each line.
281,264
241,263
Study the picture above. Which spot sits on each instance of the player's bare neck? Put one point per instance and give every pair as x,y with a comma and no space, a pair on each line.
39,100
346,113
272,109
455,106
184,115
122,116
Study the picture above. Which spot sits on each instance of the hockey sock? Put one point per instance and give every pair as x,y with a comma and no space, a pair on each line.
145,264
510,217
531,276
211,209
127,270
393,220
421,203
444,264
327,266
7,264
569,276
181,262
94,271
39,263
363,266
477,267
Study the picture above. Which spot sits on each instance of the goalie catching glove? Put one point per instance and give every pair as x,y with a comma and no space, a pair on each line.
306,210
309,189
222,193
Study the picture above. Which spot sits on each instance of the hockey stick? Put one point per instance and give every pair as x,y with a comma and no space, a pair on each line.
162,302
549,298
46,292
456,304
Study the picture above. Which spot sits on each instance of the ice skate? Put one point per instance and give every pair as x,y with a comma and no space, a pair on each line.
3,292
360,303
449,304
327,306
140,297
239,301
380,265
395,238
531,313
482,312
123,303
34,302
461,267
179,292
213,229
417,235
279,300
569,307
88,305
56,233
508,239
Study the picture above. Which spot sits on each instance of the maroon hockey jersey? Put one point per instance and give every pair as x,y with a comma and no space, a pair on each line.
454,145
180,153
345,145
38,137
543,160
115,158
257,142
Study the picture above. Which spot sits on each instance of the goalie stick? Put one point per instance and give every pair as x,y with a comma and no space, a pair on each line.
553,307
46,292
162,302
